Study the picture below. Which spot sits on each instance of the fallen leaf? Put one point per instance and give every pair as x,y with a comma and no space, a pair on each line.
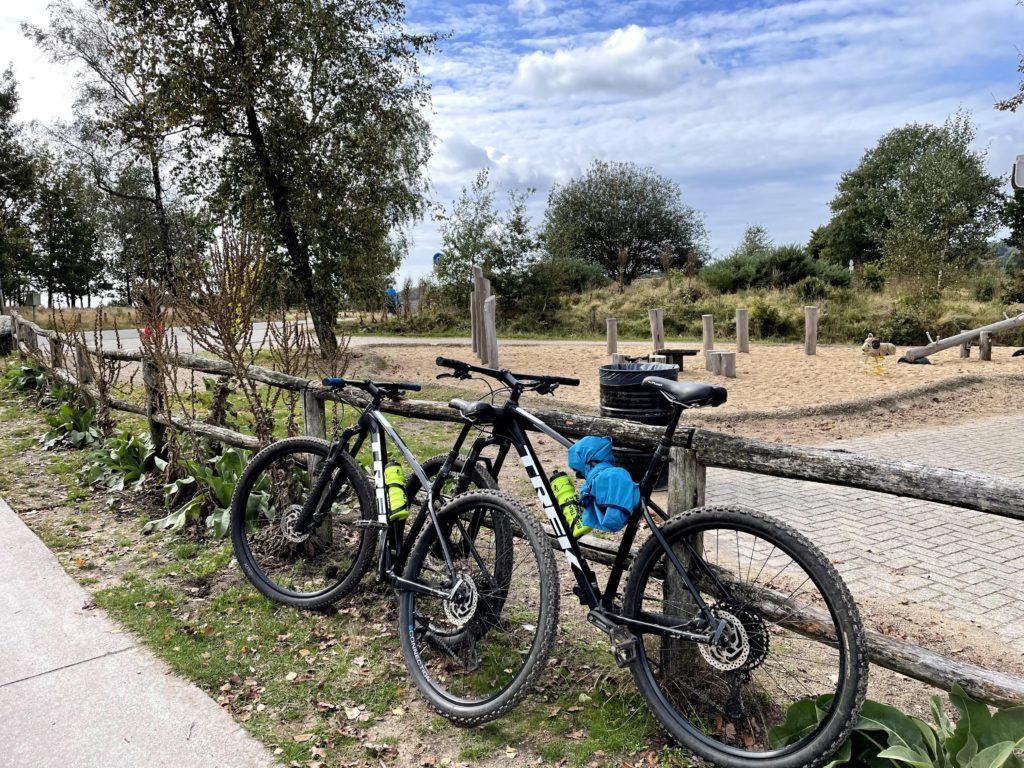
303,737
290,676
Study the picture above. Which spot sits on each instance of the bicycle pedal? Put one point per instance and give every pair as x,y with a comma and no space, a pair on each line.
623,643
370,524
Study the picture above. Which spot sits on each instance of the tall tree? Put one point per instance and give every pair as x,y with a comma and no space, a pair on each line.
65,232
16,188
310,112
119,129
920,200
468,235
622,215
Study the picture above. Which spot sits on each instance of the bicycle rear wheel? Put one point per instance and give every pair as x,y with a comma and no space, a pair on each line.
476,655
314,569
774,589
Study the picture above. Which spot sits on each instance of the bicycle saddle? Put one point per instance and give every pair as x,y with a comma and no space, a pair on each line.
477,411
689,394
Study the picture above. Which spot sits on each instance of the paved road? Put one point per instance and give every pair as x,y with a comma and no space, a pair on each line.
76,691
967,564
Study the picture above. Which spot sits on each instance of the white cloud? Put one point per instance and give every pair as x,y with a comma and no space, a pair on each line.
627,63
536,7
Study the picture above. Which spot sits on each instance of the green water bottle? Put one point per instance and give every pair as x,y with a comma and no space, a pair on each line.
568,503
394,486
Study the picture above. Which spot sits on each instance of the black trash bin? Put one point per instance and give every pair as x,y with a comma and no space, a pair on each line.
623,396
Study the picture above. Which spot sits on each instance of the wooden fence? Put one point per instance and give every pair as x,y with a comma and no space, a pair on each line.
694,450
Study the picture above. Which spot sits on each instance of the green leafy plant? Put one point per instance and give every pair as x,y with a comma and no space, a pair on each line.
124,462
873,278
209,486
885,737
812,288
73,426
24,378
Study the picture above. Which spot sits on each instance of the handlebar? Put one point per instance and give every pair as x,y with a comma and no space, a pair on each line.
504,374
336,382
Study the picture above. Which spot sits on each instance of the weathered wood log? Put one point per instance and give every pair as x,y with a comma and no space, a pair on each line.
810,330
954,341
727,364
490,339
985,347
742,330
37,329
613,335
657,320
708,335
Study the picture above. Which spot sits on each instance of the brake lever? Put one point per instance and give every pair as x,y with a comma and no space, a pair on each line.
445,376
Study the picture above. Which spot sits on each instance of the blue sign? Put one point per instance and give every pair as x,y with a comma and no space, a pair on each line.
437,259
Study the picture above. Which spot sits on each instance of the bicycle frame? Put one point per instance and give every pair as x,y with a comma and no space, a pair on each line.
510,429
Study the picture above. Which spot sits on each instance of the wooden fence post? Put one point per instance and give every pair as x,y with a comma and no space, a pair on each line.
16,338
613,335
687,480
314,418
985,347
56,351
472,322
708,340
810,330
742,330
490,338
657,329
965,350
153,386
83,370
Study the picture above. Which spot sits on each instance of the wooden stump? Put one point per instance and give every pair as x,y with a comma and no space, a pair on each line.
83,367
985,347
612,326
965,350
658,358
713,362
490,338
742,330
708,339
657,329
727,364
618,359
810,330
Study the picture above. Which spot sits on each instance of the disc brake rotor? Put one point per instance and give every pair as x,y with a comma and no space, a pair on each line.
733,649
462,606
288,524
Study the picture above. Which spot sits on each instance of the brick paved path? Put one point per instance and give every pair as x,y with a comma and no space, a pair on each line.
967,564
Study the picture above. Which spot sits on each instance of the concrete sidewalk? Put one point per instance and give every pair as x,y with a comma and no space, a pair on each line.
76,691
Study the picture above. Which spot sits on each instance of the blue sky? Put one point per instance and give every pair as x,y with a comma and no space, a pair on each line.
754,108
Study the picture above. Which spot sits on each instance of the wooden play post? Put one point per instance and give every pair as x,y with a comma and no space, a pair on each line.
985,347
708,339
965,350
613,335
742,330
810,330
687,480
490,334
618,359
657,329
56,351
472,323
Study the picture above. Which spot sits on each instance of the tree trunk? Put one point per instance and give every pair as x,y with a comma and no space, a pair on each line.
298,250
161,216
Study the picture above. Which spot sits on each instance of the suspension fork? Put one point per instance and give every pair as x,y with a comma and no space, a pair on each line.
318,502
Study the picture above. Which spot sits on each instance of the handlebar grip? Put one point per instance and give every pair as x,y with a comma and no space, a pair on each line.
333,381
410,387
445,362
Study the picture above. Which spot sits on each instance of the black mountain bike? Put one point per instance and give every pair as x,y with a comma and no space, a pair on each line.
305,525
723,613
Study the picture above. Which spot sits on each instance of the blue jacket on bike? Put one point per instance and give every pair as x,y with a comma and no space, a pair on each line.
609,496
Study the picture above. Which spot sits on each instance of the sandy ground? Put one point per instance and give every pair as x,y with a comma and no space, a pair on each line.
770,377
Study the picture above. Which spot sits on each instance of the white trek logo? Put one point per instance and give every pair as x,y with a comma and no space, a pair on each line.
549,510
378,476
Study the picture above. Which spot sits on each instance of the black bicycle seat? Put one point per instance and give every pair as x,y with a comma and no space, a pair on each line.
690,394
480,412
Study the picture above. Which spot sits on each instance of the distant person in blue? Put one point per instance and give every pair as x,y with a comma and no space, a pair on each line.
392,295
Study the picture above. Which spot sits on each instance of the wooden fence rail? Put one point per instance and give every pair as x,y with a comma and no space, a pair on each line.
694,450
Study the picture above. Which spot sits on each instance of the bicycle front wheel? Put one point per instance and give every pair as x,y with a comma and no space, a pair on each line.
475,654
780,598
312,569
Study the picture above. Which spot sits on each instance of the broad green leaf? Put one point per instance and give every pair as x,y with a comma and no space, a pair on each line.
966,754
901,754
1007,725
992,757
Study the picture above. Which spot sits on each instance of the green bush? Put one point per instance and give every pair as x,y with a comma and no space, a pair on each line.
873,278
910,319
985,286
885,737
767,321
777,267
812,289
1013,288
